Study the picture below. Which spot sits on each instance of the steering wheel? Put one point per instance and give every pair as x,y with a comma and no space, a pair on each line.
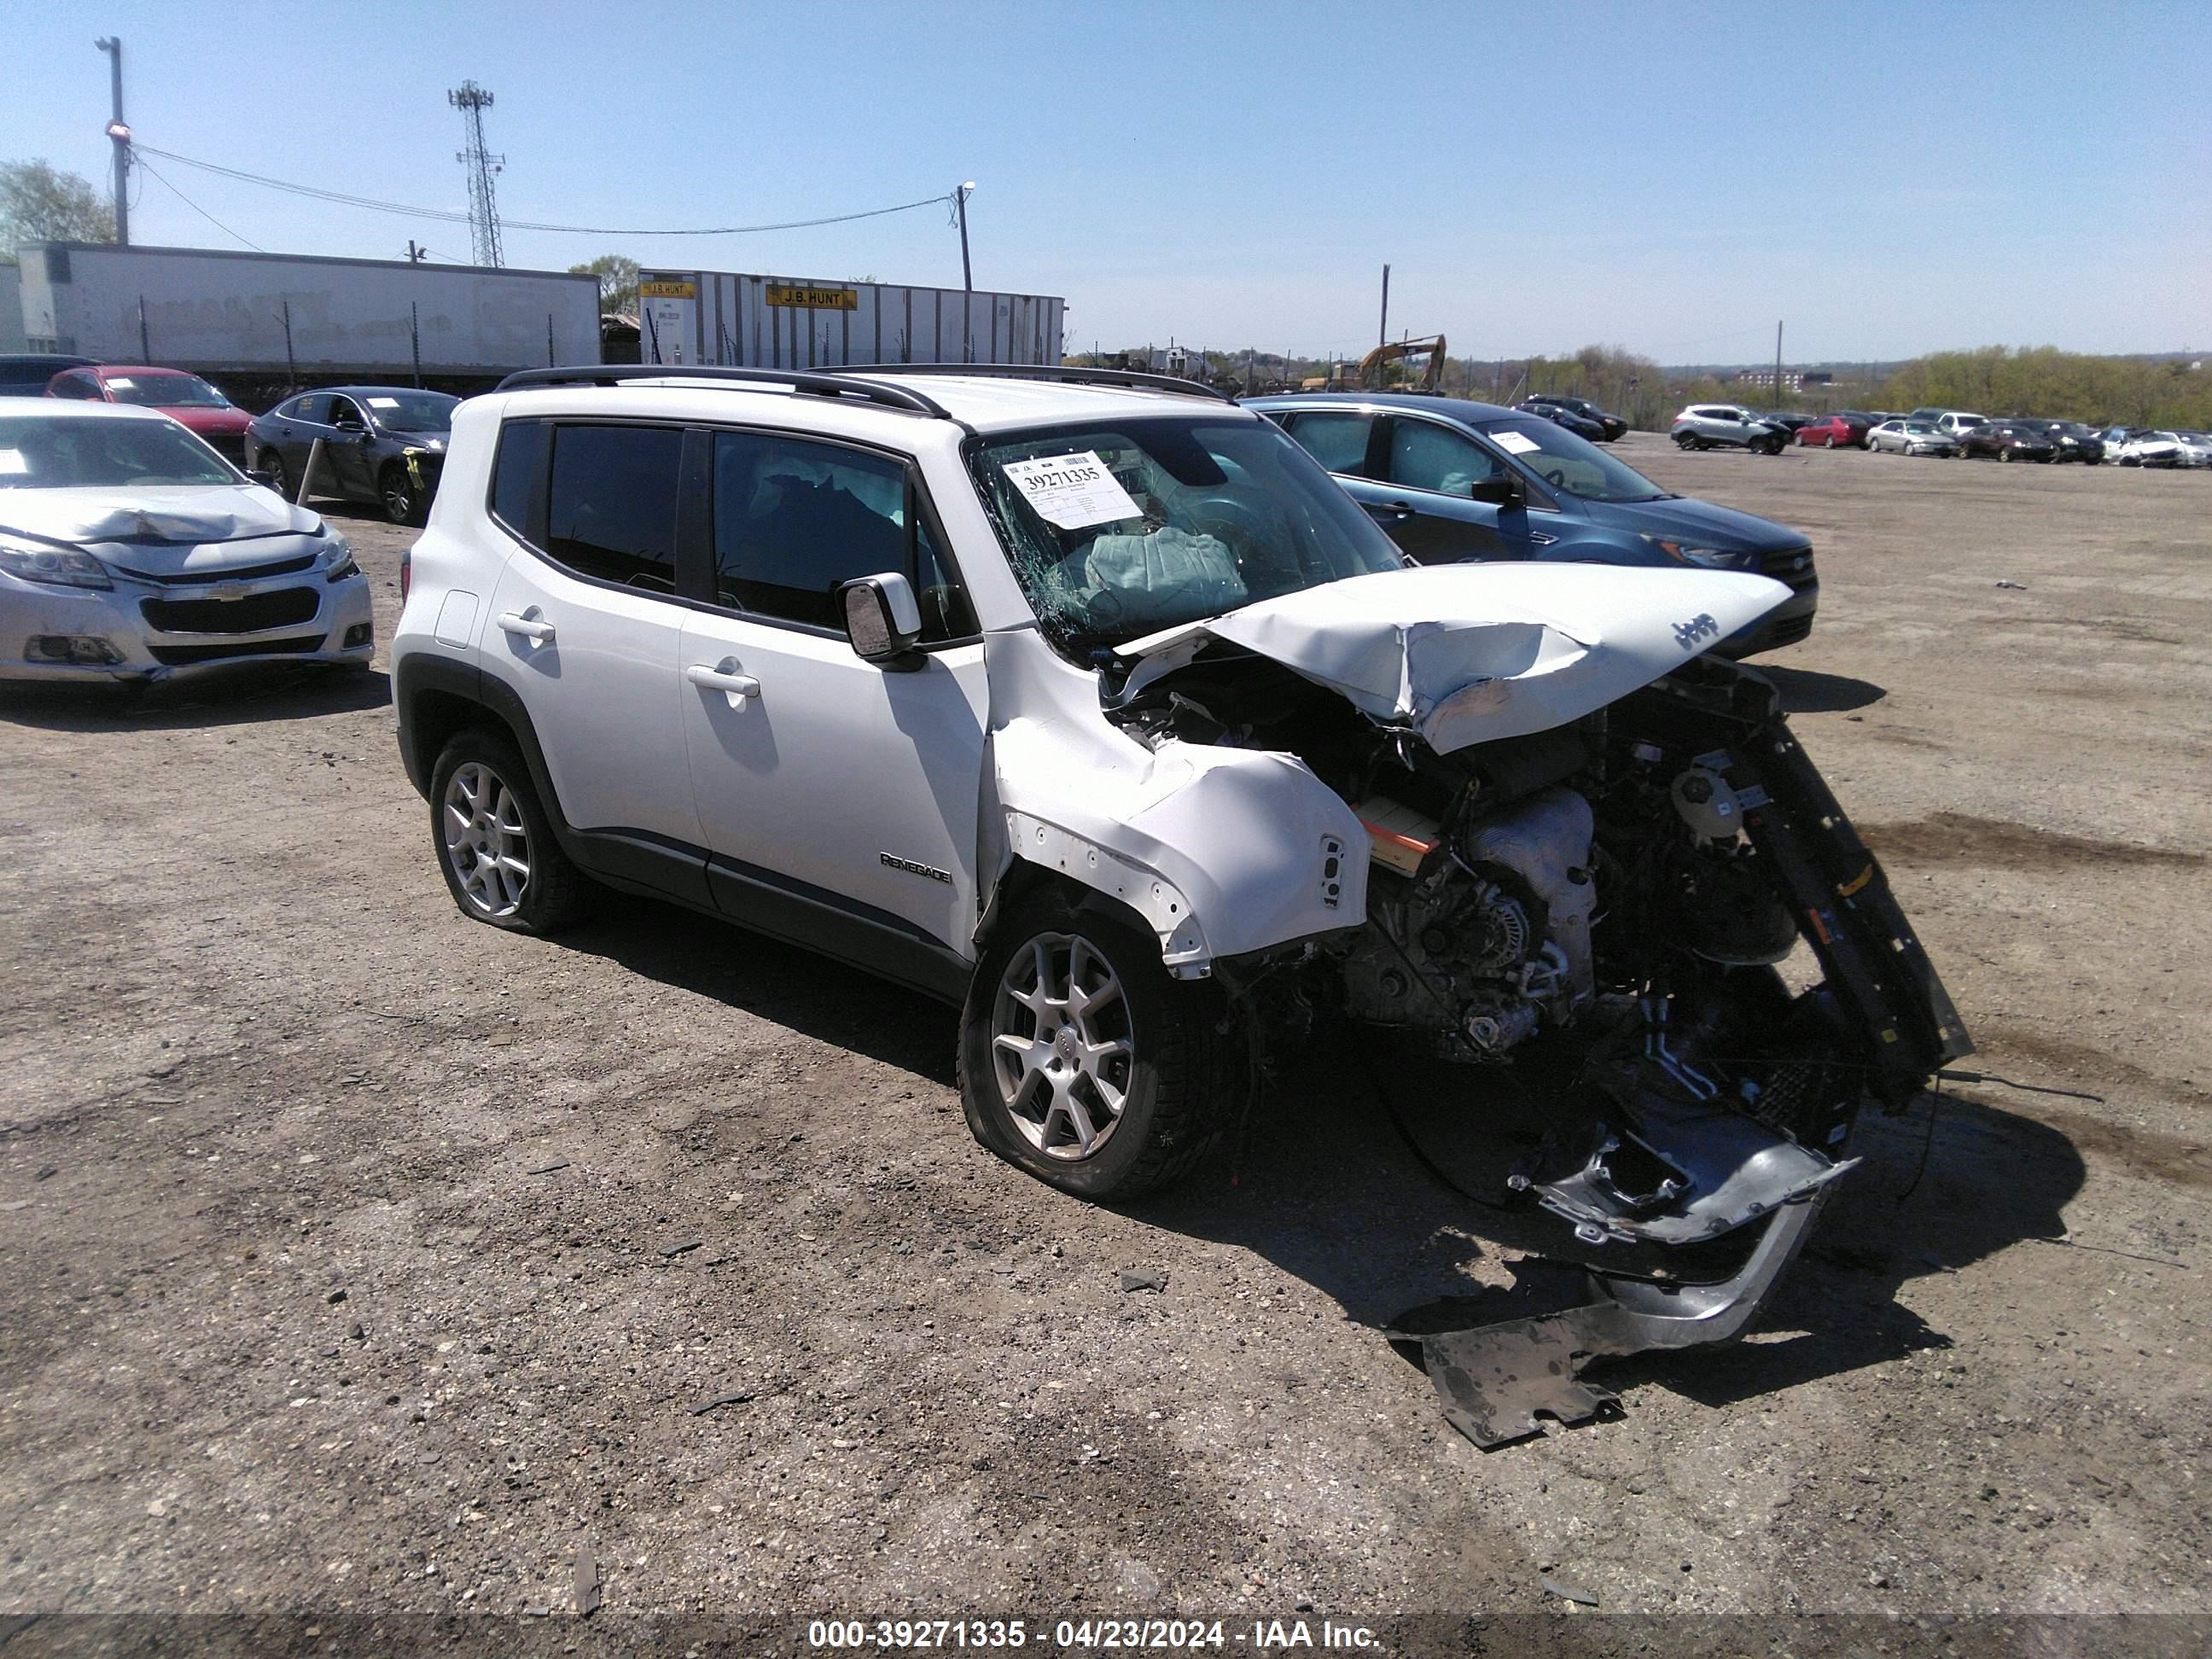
1556,476
1235,522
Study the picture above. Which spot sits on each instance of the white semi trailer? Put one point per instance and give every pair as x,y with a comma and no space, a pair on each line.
794,322
284,315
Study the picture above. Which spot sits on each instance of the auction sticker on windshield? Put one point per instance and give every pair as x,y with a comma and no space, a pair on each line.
1515,443
1072,491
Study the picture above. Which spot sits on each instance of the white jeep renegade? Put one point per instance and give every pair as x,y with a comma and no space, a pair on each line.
1091,704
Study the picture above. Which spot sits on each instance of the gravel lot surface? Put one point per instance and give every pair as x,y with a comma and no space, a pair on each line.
354,1257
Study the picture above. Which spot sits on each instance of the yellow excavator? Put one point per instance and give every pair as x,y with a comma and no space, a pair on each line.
1368,376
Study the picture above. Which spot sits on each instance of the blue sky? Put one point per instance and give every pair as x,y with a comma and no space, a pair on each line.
1673,177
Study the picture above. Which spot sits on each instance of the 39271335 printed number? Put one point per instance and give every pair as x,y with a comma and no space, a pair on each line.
918,1633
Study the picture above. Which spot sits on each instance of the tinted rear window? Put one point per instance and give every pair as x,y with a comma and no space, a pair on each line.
515,473
610,508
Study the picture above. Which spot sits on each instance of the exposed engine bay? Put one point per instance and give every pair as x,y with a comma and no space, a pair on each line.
1606,905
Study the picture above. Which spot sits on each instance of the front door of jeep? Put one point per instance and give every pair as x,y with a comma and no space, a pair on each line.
828,786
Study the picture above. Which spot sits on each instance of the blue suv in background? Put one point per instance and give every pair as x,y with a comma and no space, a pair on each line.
1451,481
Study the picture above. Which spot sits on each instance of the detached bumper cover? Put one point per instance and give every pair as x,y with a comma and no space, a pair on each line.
1496,1380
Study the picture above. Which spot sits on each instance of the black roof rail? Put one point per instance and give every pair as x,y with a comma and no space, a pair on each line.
820,385
1127,377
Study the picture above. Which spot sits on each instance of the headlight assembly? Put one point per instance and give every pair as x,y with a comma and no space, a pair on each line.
1712,558
62,567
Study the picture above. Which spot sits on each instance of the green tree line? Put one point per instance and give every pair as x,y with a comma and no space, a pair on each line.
2040,380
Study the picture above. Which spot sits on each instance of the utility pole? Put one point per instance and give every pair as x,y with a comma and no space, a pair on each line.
967,277
1382,338
121,135
473,101
1778,365
415,252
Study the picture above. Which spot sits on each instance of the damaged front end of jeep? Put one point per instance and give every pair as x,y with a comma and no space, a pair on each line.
1608,865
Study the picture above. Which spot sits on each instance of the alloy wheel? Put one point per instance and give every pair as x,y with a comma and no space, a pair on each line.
487,844
1063,1047
398,503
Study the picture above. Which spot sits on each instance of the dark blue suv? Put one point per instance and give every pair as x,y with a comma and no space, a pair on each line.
1451,480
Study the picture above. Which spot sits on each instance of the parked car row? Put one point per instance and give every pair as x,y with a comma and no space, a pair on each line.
382,444
1939,432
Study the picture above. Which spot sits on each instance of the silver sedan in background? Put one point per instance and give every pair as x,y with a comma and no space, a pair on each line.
1911,438
131,552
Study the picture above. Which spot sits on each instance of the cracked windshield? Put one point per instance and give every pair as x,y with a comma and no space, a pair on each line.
1119,531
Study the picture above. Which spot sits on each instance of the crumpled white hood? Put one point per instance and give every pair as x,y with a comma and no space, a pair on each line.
185,513
1474,653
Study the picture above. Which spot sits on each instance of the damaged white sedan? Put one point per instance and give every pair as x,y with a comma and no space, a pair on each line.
1099,709
131,552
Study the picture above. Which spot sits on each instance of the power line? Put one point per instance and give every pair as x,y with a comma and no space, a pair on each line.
455,217
148,167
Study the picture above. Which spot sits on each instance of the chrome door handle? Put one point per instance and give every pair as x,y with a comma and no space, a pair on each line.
539,633
1389,509
739,686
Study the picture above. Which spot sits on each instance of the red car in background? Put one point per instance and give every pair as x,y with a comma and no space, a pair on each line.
1835,432
185,399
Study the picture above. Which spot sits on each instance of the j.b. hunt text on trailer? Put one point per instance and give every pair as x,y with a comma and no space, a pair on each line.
794,322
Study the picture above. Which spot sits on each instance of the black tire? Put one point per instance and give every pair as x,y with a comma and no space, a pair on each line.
1685,442
2004,454
272,463
397,495
1183,1077
554,894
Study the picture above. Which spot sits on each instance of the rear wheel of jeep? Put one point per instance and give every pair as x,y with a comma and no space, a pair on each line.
1083,1061
494,842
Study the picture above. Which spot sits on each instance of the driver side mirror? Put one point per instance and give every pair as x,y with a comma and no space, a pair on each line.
1502,491
262,475
883,620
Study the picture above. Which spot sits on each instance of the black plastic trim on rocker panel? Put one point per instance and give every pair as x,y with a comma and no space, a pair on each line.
640,862
800,913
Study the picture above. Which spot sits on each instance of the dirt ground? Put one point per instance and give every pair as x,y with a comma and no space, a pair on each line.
335,1231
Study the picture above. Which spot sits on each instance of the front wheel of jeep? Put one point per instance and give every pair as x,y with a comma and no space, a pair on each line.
1083,1061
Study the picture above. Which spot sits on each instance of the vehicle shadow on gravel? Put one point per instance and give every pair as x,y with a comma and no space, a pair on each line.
1327,1185
1337,1174
1808,691
795,988
246,696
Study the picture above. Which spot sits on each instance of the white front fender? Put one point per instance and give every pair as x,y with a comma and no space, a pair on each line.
1221,851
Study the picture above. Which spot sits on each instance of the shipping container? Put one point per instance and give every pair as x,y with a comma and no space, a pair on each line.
220,313
798,322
